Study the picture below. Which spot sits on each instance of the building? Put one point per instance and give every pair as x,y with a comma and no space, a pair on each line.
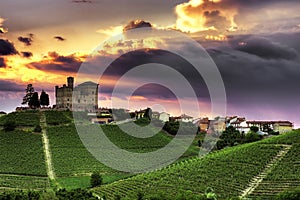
186,118
164,116
204,124
239,123
63,95
85,97
276,126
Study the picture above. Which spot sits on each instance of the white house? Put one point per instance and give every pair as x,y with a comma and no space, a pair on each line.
164,117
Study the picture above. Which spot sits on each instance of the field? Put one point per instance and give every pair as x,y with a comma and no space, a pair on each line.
29,118
21,153
227,171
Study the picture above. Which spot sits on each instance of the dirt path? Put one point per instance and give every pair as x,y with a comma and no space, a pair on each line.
47,151
255,181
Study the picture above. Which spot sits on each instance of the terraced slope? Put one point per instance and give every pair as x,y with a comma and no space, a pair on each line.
228,172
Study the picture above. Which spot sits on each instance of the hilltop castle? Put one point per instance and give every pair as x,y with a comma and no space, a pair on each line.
83,97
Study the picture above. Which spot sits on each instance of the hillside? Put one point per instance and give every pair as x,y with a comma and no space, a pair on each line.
255,170
229,172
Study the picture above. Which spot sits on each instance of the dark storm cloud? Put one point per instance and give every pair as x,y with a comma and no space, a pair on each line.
26,54
82,1
2,62
136,24
57,63
269,75
133,59
10,86
263,47
26,40
59,38
7,48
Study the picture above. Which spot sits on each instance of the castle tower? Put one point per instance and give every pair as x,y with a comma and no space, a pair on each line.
70,82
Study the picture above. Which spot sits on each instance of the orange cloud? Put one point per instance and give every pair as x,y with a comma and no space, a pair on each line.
204,15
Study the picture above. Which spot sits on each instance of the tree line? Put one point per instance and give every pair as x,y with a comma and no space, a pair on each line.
33,100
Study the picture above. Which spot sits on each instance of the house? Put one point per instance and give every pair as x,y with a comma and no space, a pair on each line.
276,126
239,123
164,116
186,118
204,124
217,125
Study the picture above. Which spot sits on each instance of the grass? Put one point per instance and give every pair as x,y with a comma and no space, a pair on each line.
21,153
57,117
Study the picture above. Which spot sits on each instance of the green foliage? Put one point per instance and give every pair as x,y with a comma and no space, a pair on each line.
252,137
9,125
76,194
71,157
254,129
44,99
96,179
293,194
20,195
37,129
29,93
228,172
24,181
34,101
21,153
27,118
54,117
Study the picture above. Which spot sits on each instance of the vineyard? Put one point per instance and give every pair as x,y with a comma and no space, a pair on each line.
21,153
227,172
57,117
69,156
29,118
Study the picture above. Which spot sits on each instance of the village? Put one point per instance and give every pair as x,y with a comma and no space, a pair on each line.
84,97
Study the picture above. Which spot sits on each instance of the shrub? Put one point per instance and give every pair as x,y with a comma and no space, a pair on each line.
96,179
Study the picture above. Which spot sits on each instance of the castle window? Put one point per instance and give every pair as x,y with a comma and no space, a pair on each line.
93,92
78,100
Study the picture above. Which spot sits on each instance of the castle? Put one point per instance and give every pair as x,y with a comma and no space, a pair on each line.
83,97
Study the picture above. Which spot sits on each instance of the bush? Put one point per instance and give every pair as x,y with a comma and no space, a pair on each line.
37,129
9,125
96,179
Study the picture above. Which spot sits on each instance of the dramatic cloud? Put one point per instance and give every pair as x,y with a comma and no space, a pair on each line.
221,16
6,85
263,47
7,48
203,15
26,40
26,54
2,63
136,24
59,38
58,63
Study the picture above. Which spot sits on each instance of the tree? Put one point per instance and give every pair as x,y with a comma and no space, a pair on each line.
254,129
44,98
29,93
252,137
34,101
231,136
96,179
148,113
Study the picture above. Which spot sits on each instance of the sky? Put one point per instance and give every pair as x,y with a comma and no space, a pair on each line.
255,45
